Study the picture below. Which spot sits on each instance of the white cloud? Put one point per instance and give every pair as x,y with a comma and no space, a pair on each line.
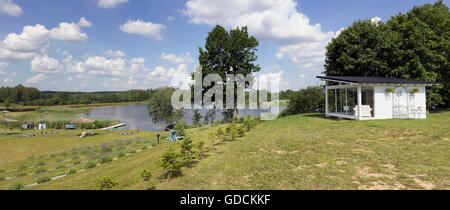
161,73
116,53
177,59
37,78
132,81
45,64
302,76
34,40
9,8
147,29
103,66
70,31
170,18
277,20
110,3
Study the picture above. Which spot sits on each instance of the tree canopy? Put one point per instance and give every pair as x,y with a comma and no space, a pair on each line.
414,45
232,52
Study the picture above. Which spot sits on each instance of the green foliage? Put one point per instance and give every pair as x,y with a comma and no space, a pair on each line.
201,150
106,183
121,154
196,117
90,164
186,151
146,175
16,186
232,52
43,179
171,163
309,100
2,178
105,160
181,131
414,45
160,107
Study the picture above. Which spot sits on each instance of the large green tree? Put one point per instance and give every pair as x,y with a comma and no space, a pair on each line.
160,107
414,45
232,52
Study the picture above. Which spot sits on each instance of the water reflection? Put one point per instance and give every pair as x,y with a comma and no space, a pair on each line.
137,117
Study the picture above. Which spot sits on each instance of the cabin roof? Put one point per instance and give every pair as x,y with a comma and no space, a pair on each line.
374,80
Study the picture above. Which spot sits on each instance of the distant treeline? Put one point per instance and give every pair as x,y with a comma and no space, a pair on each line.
29,96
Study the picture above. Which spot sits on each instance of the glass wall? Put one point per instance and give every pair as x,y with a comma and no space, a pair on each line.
344,101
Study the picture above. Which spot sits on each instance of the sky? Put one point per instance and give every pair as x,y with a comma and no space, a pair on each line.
112,45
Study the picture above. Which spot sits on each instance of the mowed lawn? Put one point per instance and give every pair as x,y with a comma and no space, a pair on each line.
295,152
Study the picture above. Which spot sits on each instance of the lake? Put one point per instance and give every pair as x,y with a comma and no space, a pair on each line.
137,117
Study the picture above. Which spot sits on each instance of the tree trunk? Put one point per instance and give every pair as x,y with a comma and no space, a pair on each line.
235,113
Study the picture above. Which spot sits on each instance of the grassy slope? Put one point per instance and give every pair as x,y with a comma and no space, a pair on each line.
303,152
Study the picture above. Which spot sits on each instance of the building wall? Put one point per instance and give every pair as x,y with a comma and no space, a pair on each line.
384,102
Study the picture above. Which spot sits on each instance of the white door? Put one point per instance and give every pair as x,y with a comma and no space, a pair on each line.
400,103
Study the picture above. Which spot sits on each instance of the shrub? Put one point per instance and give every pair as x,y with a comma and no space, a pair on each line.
40,170
43,179
2,170
16,186
146,175
90,164
144,148
105,160
132,151
180,129
186,151
201,151
106,183
121,154
170,162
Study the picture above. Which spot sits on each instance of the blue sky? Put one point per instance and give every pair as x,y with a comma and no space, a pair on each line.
93,45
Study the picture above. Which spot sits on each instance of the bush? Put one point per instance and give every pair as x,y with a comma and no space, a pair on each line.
40,170
90,164
186,152
43,179
121,154
106,183
16,186
180,129
170,162
146,175
132,151
2,170
105,160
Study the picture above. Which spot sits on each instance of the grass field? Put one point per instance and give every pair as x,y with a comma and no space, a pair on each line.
295,152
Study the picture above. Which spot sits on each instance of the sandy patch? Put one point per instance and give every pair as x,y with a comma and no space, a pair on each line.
322,165
341,162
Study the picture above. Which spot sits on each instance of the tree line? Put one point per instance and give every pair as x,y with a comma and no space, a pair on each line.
30,96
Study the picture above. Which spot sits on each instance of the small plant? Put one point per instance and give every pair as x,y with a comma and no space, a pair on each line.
201,151
106,183
21,174
90,164
171,163
106,149
2,170
40,170
121,154
180,129
43,179
415,90
105,160
186,151
63,154
59,160
16,186
389,90
132,151
146,175
144,148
